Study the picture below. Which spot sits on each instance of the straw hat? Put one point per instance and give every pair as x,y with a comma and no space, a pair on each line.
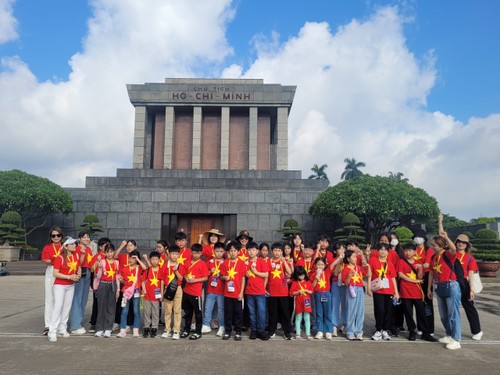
206,236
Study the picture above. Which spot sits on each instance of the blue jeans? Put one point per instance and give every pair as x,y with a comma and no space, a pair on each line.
355,311
449,312
79,302
137,313
338,304
323,311
210,300
257,310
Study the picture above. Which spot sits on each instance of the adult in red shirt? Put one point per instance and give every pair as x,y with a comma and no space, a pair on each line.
196,274
49,253
243,238
233,272
255,292
383,271
66,271
446,287
208,241
469,267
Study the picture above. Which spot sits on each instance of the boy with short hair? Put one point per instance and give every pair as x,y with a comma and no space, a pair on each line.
184,252
215,290
170,270
196,274
255,292
151,288
233,272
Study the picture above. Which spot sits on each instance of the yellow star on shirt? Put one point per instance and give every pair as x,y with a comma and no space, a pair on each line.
154,280
243,257
111,272
437,268
89,258
322,283
72,266
380,272
417,257
171,277
181,259
230,273
131,279
356,278
190,275
250,273
162,262
276,274
412,275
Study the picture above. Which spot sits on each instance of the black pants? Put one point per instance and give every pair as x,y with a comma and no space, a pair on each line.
429,319
279,311
470,309
408,304
233,314
191,305
382,307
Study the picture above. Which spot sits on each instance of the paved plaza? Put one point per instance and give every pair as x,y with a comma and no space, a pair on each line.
23,349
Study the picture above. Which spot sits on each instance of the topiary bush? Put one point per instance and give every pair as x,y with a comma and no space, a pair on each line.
350,229
404,234
290,228
486,245
10,232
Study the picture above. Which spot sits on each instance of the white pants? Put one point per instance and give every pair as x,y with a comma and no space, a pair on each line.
63,297
49,296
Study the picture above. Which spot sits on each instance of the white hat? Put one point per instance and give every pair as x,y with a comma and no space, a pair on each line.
69,241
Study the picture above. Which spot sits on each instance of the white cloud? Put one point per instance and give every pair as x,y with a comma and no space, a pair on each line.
8,23
370,93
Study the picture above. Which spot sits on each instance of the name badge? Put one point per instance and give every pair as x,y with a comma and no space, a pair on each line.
230,286
137,293
214,282
385,283
157,293
307,302
324,298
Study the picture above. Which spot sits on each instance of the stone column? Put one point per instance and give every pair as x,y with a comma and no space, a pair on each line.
282,144
196,151
140,137
224,138
252,139
168,143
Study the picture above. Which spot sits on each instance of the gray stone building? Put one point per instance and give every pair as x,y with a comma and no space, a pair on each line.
208,153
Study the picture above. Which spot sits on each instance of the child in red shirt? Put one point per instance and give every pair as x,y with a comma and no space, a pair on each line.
184,252
66,271
302,289
151,288
255,292
215,290
233,272
323,298
298,247
196,274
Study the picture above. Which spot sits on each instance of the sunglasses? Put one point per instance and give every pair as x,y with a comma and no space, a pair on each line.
55,235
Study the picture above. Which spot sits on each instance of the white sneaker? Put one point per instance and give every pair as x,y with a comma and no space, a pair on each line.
166,335
334,333
52,338
122,333
176,336
477,336
99,334
319,336
359,336
385,335
127,329
377,336
64,334
107,333
79,331
445,340
220,332
328,336
453,345
116,326
206,329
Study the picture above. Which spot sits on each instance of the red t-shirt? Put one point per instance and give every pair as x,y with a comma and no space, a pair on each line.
300,300
167,273
86,254
408,289
297,255
208,252
423,256
131,275
152,281
268,262
323,285
50,252
243,254
357,278
110,269
441,271
307,264
468,263
341,266
277,284
214,277
383,270
236,270
328,255
163,259
392,256
68,267
197,269
255,284
185,257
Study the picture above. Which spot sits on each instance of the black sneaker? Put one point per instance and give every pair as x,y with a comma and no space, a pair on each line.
253,335
184,334
428,337
145,334
394,332
237,337
45,331
263,336
287,336
92,328
412,336
153,333
226,336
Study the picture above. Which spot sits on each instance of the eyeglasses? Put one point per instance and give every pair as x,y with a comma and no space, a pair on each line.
55,235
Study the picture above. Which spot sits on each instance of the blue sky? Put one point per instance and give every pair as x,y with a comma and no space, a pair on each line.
414,85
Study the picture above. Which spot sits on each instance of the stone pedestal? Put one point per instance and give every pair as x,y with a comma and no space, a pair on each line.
9,253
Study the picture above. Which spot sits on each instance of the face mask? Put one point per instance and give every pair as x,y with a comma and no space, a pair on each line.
394,242
418,240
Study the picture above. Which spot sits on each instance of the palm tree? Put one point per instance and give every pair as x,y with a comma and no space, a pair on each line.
351,169
397,176
319,172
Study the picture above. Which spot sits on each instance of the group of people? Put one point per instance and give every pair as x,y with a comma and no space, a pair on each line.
233,286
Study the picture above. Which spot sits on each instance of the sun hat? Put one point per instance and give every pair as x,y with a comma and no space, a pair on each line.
245,233
206,236
69,241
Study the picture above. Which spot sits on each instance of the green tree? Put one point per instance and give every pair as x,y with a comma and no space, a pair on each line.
397,176
290,228
319,172
381,203
350,229
453,222
33,197
484,220
351,169
10,232
91,224
486,245
404,234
